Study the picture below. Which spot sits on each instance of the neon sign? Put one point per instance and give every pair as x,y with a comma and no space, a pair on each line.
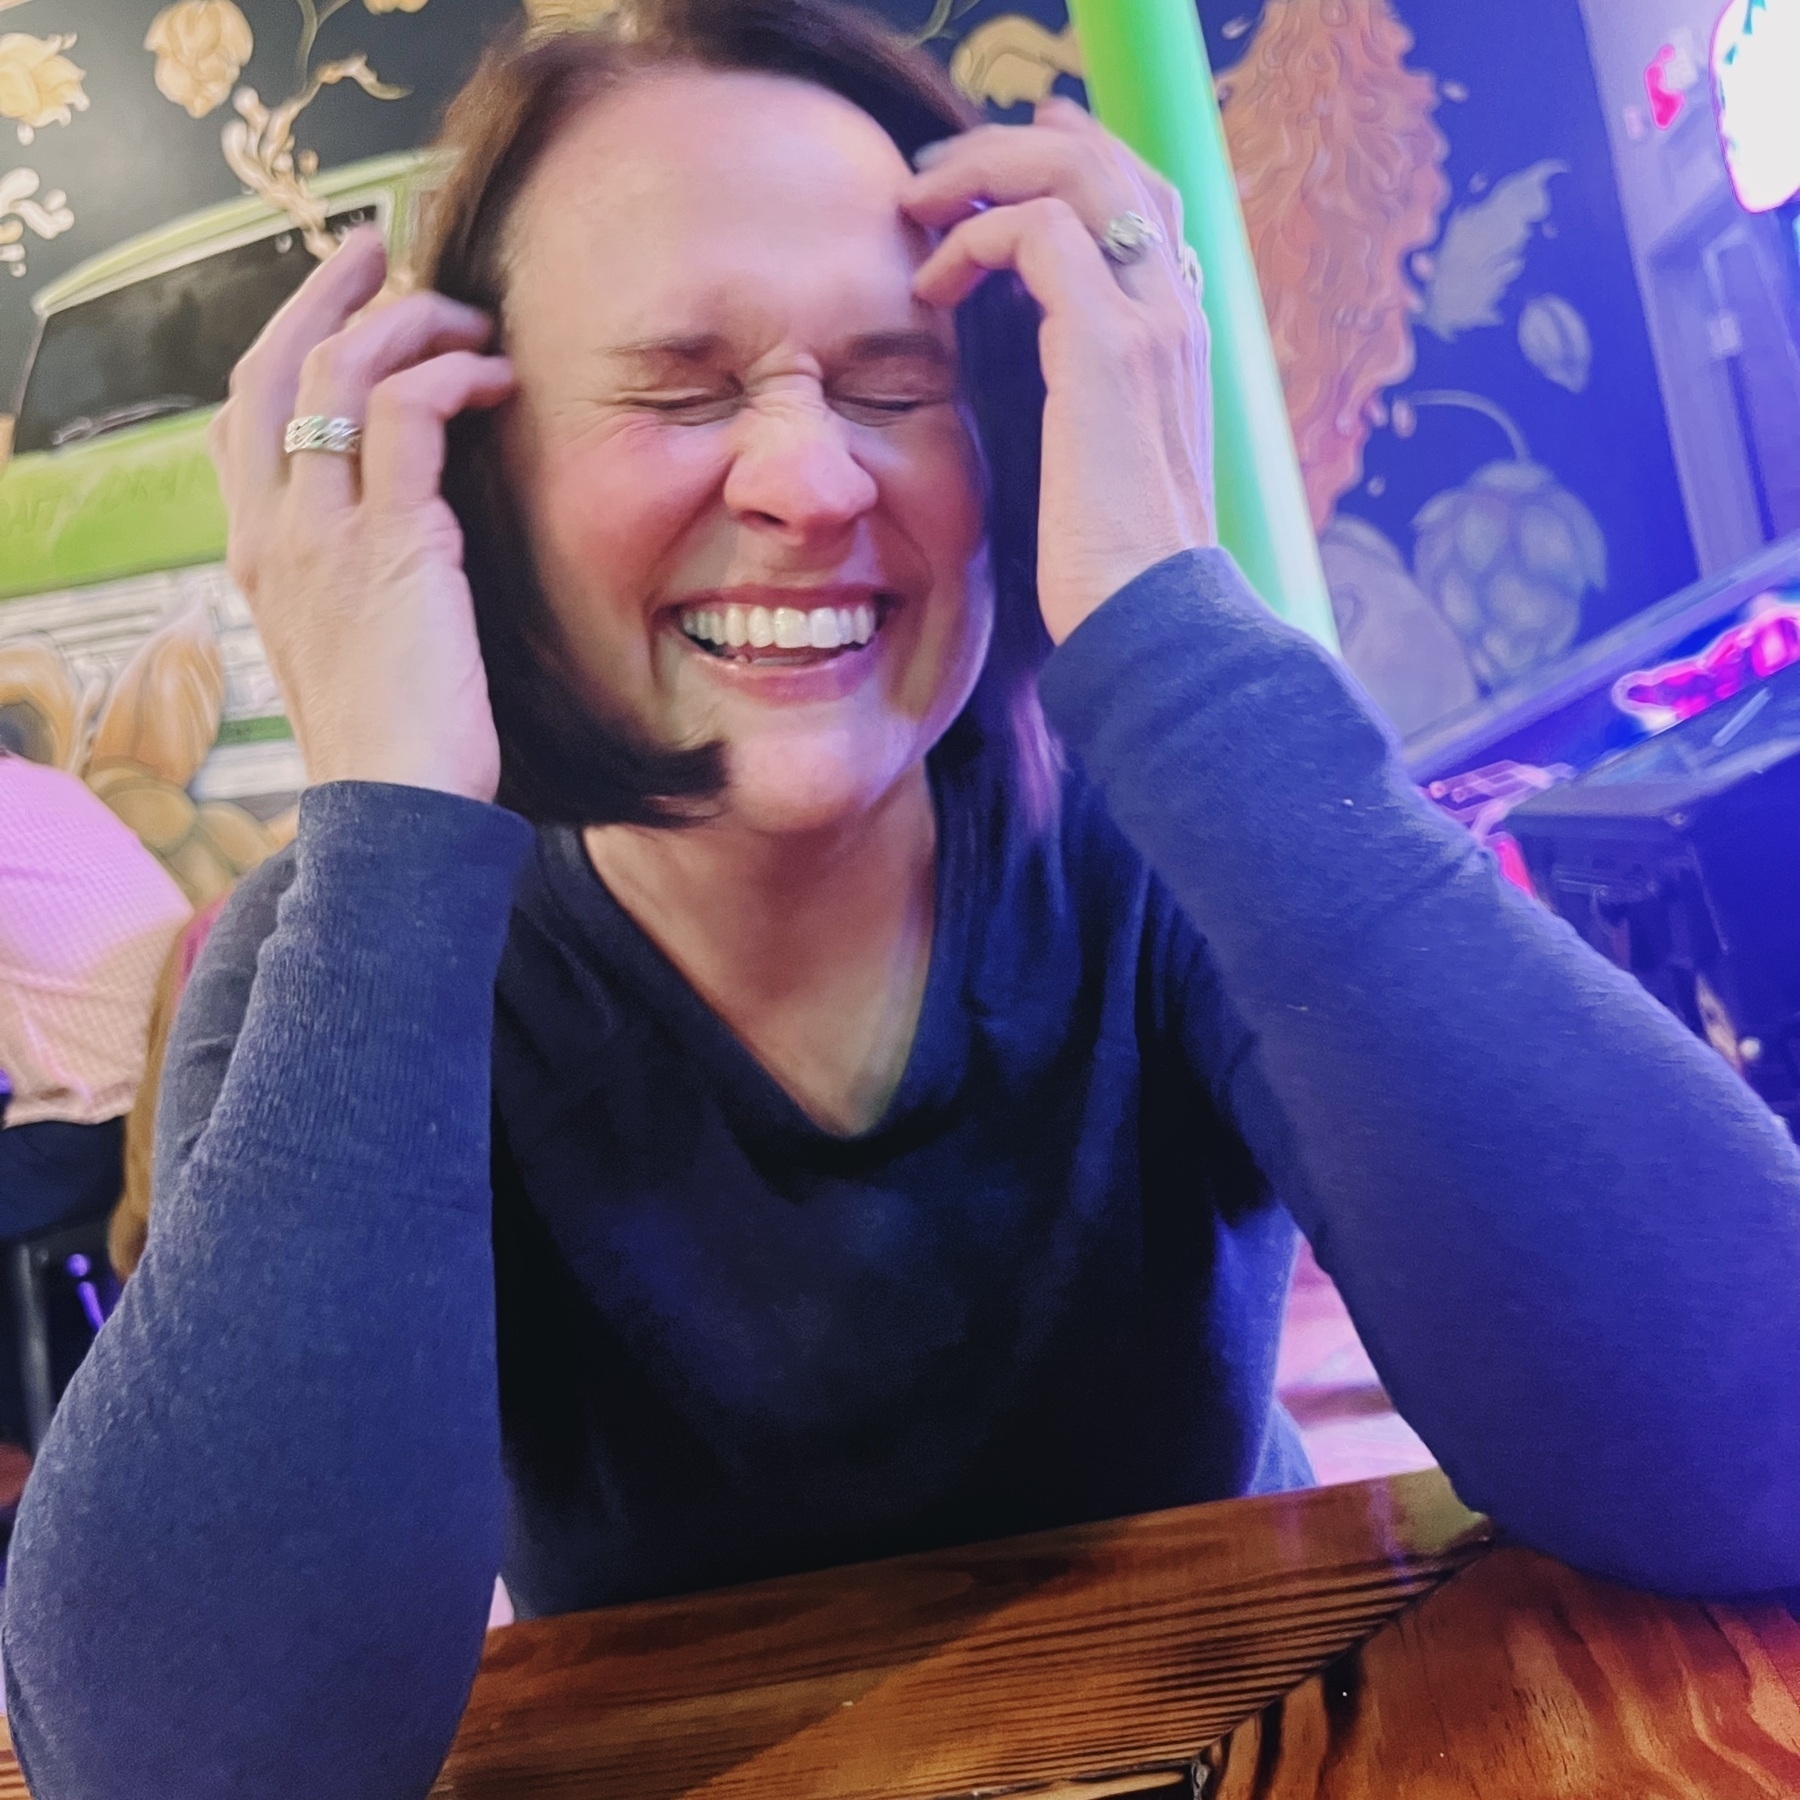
1736,659
1756,75
1669,77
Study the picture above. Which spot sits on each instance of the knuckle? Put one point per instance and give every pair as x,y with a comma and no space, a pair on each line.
390,398
325,364
1053,213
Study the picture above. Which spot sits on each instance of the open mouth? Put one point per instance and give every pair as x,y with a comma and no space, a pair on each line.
784,634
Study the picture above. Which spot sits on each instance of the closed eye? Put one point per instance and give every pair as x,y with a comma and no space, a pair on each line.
691,409
868,408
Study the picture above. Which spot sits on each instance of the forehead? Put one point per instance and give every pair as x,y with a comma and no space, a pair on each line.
690,193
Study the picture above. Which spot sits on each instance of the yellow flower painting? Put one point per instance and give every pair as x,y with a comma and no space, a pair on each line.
200,47
1013,58
20,208
568,14
39,86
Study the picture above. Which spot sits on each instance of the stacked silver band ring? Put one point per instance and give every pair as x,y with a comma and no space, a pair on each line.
341,437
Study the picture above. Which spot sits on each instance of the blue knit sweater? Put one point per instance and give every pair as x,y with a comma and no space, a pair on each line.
655,1330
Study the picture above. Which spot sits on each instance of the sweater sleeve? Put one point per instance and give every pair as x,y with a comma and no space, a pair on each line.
1568,1234
256,1553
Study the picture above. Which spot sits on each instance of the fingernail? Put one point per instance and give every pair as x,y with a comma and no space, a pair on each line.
928,154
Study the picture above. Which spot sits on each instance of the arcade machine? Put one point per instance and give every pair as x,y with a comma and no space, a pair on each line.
1679,856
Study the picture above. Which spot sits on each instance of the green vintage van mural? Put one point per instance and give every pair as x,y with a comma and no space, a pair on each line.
126,655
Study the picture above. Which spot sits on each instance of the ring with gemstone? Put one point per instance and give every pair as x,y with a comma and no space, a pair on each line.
1127,237
341,437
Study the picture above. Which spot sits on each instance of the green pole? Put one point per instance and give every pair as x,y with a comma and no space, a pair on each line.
1148,80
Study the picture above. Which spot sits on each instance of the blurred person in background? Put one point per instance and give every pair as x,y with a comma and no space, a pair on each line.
87,920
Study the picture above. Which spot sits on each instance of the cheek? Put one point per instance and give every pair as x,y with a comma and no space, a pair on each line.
608,523
938,484
621,504
938,493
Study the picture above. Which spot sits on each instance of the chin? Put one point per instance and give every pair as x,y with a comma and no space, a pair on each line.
806,783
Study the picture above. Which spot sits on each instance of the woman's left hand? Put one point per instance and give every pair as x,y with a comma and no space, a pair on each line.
1127,470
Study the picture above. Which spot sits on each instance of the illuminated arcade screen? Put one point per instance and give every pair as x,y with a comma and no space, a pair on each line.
1756,80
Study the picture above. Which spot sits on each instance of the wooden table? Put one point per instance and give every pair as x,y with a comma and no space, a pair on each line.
1355,1643
1365,1641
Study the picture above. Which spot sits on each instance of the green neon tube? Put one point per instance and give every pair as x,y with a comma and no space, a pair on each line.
1148,81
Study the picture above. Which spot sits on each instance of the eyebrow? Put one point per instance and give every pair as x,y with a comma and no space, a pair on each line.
695,348
921,346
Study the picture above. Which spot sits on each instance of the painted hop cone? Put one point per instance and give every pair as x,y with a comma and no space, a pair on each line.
1508,558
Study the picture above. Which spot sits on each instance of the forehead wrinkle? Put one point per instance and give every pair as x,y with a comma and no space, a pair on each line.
684,347
603,181
868,346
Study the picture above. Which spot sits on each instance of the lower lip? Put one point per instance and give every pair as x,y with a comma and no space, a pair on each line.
829,678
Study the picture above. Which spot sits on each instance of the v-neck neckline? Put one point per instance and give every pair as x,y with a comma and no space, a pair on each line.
935,1059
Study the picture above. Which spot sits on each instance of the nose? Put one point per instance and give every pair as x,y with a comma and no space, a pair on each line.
793,474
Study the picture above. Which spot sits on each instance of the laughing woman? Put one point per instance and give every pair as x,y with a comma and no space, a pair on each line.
962,930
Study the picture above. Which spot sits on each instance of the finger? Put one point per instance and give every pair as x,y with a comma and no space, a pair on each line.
340,374
403,440
1001,165
264,383
1042,240
1056,113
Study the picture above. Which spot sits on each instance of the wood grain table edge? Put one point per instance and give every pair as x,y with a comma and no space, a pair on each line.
1523,1679
1039,1665
1324,1569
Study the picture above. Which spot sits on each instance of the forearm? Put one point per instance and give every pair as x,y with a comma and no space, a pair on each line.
1570,1237
256,1552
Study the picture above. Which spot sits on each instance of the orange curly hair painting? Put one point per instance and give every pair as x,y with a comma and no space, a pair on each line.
1340,168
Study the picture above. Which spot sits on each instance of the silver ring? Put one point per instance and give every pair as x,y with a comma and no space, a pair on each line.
1190,272
1127,237
342,437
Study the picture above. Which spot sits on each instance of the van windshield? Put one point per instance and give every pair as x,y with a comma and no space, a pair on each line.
162,345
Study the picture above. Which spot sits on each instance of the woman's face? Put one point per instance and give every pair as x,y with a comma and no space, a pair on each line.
752,495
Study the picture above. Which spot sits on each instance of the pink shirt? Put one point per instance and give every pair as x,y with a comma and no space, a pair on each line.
87,917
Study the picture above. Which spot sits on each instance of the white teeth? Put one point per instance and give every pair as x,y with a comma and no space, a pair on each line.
782,628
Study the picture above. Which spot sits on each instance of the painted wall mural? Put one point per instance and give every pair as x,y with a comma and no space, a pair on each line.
1428,193
39,87
1429,197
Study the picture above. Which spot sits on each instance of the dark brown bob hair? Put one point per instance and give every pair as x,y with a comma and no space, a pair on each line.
560,762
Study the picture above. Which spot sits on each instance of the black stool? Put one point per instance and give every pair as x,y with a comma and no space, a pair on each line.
30,1259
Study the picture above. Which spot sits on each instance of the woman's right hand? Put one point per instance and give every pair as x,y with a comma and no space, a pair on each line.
353,565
